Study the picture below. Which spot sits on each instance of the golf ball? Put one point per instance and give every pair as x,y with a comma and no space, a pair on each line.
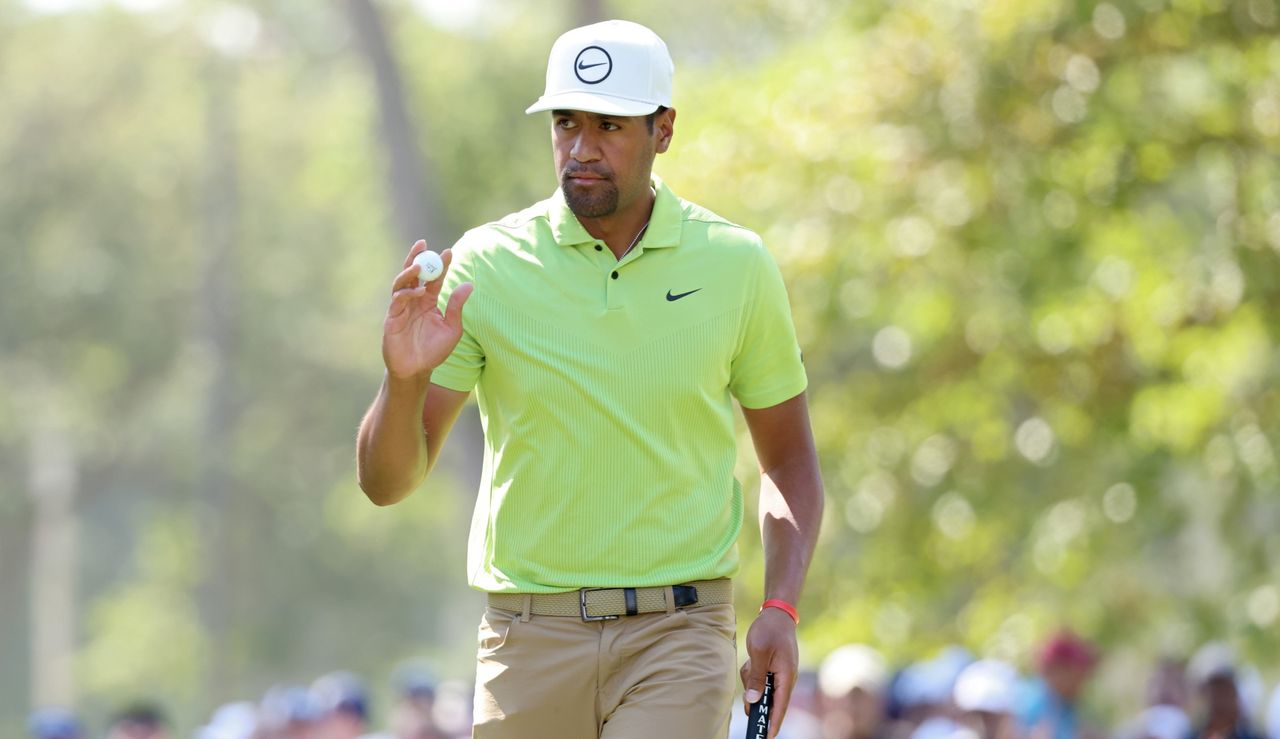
429,266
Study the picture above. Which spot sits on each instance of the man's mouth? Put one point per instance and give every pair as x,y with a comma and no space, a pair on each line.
583,177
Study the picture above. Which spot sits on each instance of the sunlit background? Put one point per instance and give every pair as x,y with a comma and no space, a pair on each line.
1032,246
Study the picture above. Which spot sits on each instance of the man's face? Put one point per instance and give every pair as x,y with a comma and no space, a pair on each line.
1067,680
1222,698
604,162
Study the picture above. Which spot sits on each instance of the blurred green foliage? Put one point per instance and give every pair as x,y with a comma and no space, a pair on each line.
1032,250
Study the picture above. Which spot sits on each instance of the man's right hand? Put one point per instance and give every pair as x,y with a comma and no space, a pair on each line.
416,336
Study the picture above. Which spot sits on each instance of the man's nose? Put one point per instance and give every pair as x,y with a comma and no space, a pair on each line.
585,147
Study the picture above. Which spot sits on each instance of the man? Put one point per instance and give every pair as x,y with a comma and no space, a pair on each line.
287,712
341,702
1049,707
1214,672
413,716
607,331
984,693
853,680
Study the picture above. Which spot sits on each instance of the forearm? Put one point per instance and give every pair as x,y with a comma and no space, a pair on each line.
391,456
791,501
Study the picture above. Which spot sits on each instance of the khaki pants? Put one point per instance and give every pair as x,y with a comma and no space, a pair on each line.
668,675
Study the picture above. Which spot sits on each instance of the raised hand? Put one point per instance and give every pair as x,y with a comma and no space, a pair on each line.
416,336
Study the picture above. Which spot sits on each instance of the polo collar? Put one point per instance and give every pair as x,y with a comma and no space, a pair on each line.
664,223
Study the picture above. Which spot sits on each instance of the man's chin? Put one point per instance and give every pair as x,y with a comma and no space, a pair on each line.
585,206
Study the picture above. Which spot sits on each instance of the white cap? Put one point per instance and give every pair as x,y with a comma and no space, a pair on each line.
231,721
611,68
852,666
1214,659
1273,714
941,727
1164,722
986,685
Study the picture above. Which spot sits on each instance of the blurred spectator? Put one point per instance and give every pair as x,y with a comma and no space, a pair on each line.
453,708
1213,673
1163,722
1168,686
1273,715
1048,708
413,715
54,723
1165,716
139,721
984,697
926,694
803,710
287,712
341,703
231,721
852,682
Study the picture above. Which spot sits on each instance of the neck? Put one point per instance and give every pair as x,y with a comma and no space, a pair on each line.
618,230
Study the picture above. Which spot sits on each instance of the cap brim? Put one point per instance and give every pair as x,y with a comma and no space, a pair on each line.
592,103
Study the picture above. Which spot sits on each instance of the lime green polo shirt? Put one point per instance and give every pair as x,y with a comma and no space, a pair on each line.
606,393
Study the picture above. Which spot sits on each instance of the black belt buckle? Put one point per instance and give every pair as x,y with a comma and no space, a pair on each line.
582,601
685,595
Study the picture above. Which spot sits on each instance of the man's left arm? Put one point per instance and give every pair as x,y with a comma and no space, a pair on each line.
791,501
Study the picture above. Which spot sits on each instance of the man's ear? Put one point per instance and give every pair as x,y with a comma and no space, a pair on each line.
665,127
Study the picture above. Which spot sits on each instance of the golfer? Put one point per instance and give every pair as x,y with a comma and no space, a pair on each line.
607,331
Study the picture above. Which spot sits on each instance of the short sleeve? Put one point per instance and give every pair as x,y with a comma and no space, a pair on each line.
461,370
768,367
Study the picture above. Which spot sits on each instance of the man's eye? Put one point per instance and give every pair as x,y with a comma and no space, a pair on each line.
609,126
564,123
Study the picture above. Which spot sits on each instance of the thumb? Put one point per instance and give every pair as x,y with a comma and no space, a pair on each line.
753,680
453,311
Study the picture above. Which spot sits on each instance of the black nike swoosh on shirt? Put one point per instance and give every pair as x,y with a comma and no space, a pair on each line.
673,298
582,66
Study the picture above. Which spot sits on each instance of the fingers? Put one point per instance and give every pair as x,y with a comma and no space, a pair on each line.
408,277
402,299
406,290
752,682
753,679
433,287
418,247
784,681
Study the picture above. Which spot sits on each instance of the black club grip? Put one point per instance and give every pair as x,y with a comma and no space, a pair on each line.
761,710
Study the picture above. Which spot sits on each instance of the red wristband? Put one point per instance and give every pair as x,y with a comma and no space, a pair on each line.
783,606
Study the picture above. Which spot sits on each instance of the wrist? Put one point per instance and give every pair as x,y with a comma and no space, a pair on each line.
783,606
407,386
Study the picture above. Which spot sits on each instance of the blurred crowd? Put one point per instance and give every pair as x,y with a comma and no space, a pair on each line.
335,706
855,694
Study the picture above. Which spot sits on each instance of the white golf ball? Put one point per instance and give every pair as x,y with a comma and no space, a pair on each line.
429,266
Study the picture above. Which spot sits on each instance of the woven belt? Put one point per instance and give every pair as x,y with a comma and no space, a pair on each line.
606,604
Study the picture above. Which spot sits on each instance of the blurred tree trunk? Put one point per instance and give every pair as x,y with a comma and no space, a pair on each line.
417,208
419,214
214,342
54,479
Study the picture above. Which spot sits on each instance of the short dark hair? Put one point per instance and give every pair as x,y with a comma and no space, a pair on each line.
649,119
143,714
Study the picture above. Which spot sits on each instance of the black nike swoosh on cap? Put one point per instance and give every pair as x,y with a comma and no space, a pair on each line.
673,298
582,66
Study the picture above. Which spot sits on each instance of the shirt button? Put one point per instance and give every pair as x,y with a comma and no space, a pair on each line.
599,248
615,274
